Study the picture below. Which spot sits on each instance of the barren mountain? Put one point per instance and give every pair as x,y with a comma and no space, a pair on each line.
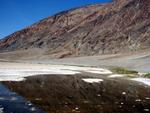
116,27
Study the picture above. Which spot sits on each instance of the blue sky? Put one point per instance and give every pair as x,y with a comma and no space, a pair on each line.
17,14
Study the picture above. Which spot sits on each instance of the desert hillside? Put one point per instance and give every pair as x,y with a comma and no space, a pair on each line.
117,27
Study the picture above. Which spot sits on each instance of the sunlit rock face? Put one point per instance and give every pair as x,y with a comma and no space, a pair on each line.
120,26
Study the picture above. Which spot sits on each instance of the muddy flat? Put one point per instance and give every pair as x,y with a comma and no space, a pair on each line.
74,94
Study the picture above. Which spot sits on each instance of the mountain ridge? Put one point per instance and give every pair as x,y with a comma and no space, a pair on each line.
117,27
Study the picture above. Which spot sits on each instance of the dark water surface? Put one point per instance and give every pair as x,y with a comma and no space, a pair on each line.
11,102
70,94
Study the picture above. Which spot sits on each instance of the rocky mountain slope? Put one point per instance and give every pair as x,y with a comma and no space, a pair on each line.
120,26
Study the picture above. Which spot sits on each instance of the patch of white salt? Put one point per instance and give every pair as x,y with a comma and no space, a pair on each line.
104,71
20,74
116,76
141,74
92,80
87,69
18,71
142,80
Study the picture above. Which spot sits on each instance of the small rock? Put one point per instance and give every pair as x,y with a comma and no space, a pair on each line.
76,108
122,103
123,93
33,109
147,98
98,95
138,100
146,110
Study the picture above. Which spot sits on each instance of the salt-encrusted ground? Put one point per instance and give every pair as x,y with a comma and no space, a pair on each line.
12,71
65,77
17,71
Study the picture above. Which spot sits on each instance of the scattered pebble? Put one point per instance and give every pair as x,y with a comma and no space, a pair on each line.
138,100
146,110
98,95
76,108
147,98
33,109
124,93
122,103
29,103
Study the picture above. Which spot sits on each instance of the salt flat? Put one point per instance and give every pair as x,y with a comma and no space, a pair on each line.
17,71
